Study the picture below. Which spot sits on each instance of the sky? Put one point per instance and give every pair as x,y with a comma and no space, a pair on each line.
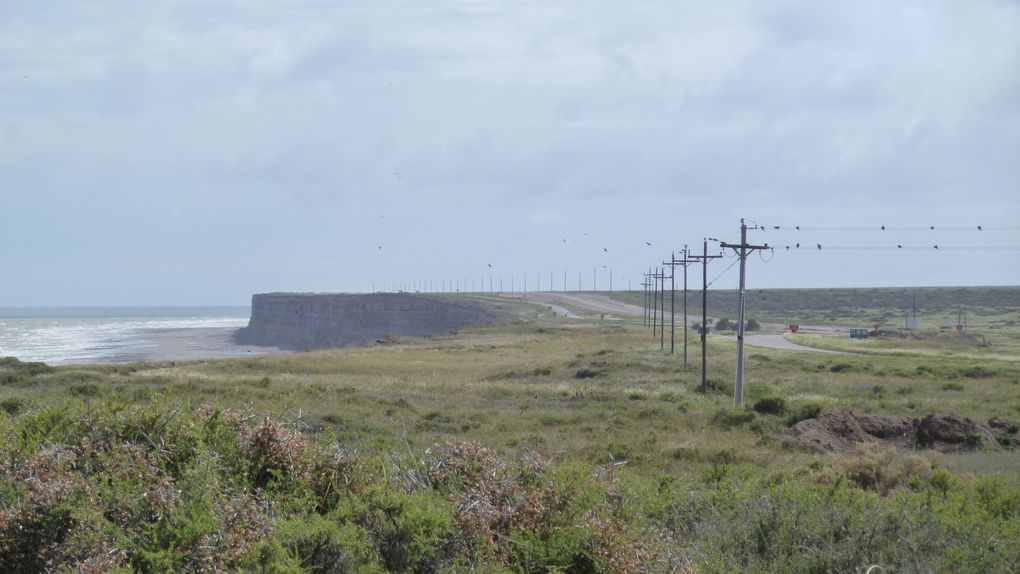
190,152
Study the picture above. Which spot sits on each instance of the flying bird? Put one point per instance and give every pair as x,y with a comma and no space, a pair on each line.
380,247
936,247
606,249
979,228
648,242
819,245
883,228
490,265
898,246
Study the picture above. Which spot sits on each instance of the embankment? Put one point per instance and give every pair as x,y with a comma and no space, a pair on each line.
304,321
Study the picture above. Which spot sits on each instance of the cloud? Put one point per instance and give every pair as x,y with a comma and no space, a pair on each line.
670,119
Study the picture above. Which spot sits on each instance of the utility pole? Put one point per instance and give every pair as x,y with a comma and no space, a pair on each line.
687,261
594,280
741,250
704,313
662,306
646,285
610,280
673,262
655,302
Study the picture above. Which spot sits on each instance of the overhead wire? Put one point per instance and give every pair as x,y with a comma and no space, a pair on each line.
765,228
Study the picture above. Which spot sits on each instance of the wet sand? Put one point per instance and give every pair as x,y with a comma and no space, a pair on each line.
188,345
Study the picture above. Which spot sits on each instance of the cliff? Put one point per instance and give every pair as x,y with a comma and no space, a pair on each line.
305,321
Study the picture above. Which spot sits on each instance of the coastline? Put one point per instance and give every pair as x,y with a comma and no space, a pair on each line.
183,344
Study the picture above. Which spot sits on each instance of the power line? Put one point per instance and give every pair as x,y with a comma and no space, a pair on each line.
880,228
898,247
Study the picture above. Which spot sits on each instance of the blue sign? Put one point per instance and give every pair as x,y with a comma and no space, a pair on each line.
858,333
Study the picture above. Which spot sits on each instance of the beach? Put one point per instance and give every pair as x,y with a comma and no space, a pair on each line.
102,335
186,344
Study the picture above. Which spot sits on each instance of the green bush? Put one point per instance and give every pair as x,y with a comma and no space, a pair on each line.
770,406
803,412
729,418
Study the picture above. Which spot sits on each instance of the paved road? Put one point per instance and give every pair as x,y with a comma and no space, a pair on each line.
604,304
590,301
779,342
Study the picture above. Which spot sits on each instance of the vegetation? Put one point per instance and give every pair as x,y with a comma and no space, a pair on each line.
545,445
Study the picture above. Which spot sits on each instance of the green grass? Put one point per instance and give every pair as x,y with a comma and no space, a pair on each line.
638,471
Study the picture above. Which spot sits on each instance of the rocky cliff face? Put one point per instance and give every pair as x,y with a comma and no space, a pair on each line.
305,321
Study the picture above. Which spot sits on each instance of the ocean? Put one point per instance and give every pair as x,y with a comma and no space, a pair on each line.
64,335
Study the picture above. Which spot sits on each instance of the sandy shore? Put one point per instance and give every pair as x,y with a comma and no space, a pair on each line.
187,345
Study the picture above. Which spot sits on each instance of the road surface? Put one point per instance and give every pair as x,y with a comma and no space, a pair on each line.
604,304
779,342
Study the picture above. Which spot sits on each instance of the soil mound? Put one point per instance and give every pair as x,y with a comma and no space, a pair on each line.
842,430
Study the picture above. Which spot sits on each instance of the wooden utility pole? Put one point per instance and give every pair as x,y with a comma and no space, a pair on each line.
655,301
741,249
673,262
646,284
704,313
662,307
686,261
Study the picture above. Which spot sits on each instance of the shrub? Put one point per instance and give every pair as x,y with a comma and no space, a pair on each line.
841,368
722,324
752,325
770,406
12,406
979,372
729,418
803,412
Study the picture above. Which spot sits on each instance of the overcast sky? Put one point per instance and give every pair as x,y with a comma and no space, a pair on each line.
194,152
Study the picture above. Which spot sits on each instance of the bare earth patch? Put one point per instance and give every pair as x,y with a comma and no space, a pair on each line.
843,430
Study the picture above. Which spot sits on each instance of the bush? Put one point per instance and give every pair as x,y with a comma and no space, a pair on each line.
752,325
770,406
803,412
979,372
729,418
723,324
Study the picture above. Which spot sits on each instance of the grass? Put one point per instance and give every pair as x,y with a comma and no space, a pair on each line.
625,439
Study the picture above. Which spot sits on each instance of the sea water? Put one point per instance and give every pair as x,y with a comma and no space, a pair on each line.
58,335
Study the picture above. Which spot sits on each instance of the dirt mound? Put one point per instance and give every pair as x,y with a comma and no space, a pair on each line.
843,430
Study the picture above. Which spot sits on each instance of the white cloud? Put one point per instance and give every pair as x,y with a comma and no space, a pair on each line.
278,121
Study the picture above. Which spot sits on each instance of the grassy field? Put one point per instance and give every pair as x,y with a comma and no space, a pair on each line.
625,466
